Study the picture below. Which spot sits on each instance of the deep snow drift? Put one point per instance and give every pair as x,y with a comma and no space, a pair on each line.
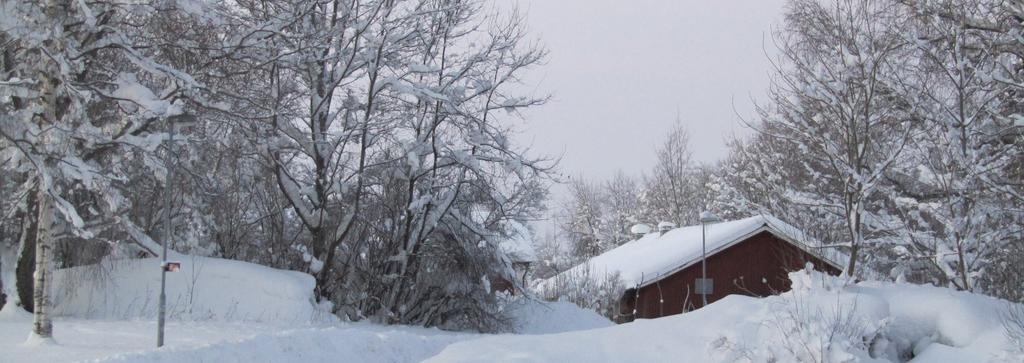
821,320
110,308
535,317
204,289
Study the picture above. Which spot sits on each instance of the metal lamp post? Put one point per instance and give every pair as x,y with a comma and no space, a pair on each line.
172,123
705,218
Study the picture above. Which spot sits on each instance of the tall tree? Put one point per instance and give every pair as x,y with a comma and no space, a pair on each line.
836,96
954,195
671,193
78,94
584,219
622,208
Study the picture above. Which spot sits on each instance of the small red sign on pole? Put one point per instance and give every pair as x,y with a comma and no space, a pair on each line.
172,266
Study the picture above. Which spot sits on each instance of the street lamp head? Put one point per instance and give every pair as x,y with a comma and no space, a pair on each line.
708,217
666,226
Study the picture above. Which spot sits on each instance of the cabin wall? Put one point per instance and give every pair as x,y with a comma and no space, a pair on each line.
757,266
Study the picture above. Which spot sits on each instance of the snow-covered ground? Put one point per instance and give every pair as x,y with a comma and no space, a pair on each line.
210,341
822,320
83,340
230,311
133,341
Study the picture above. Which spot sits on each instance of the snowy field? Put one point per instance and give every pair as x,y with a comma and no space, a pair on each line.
133,340
866,322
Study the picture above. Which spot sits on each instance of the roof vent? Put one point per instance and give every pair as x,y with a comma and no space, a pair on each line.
640,229
665,227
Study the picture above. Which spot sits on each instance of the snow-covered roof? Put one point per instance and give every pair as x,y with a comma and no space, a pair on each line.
656,255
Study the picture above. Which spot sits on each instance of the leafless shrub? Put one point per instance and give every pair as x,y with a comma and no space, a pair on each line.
1013,326
801,331
1004,277
579,286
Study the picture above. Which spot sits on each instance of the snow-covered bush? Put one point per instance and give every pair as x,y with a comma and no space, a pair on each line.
600,294
808,332
816,322
1004,277
1013,324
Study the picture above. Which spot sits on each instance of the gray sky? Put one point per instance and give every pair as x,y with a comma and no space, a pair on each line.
620,70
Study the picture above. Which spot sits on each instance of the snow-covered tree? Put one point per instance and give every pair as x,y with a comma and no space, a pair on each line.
584,219
758,176
80,91
949,198
940,168
622,208
673,191
386,126
836,95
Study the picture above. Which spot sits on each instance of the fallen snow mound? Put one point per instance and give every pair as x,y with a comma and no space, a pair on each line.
823,319
536,317
203,289
353,343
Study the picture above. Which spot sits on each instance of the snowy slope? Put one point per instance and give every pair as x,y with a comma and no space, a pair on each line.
867,322
535,317
660,340
204,289
655,254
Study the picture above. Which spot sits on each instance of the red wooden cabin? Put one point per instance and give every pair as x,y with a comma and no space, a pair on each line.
757,266
662,270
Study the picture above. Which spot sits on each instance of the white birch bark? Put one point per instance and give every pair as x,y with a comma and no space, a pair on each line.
42,326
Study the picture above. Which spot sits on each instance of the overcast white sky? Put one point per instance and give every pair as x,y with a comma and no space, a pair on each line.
620,70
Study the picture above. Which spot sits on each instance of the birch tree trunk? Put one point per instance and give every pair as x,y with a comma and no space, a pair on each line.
42,326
